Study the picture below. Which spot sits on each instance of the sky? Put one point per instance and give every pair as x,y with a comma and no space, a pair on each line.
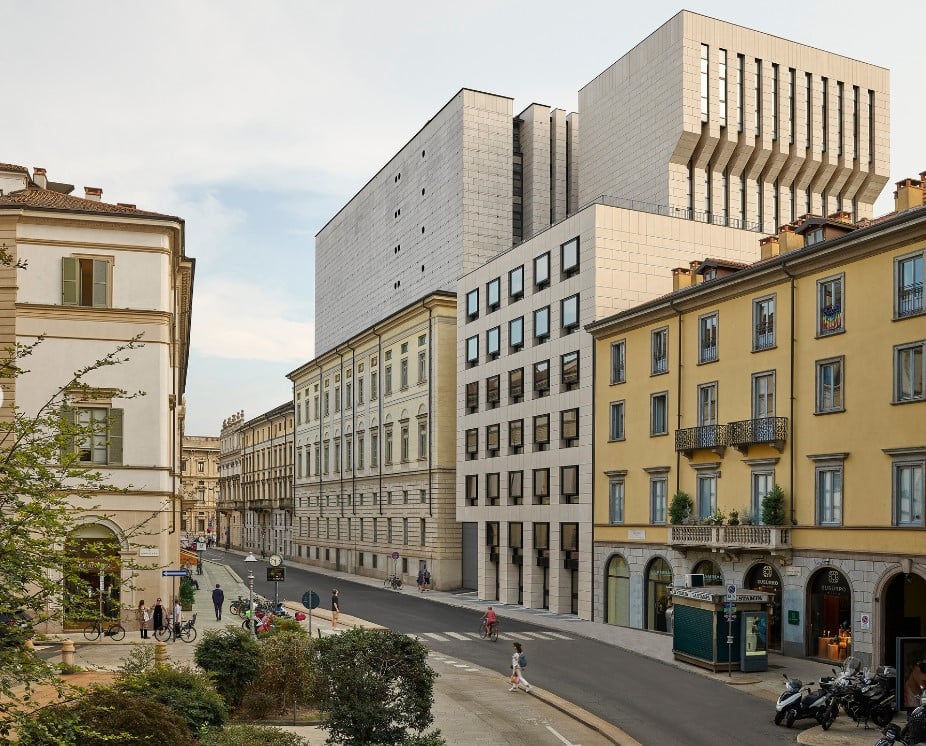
256,121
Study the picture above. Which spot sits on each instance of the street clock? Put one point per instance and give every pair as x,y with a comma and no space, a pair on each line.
275,560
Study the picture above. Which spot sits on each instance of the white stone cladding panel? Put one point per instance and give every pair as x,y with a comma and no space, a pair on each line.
558,157
535,149
572,162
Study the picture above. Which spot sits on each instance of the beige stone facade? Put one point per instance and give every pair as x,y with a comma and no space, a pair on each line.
735,125
199,482
98,275
230,501
375,434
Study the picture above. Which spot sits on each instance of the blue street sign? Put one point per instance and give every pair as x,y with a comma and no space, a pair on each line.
173,573
310,600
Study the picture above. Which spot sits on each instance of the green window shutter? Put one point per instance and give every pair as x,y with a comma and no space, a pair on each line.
115,436
100,283
68,445
70,288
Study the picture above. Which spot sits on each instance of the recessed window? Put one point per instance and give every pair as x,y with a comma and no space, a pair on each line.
86,282
472,444
542,271
472,397
516,283
472,490
830,385
493,434
658,488
763,311
909,284
515,487
492,488
516,436
660,351
493,293
569,484
541,432
100,440
707,338
472,350
516,385
908,471
472,305
569,313
541,324
616,430
618,361
493,391
830,306
616,501
541,378
493,340
829,494
909,372
569,427
541,486
569,252
659,405
516,333
569,364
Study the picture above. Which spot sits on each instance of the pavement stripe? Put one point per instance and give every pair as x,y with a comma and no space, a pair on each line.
475,635
558,636
542,636
435,636
456,636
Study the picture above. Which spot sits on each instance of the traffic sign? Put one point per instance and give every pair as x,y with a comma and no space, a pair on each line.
310,600
173,573
276,574
395,555
731,592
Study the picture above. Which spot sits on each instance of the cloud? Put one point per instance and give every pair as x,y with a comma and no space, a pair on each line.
236,320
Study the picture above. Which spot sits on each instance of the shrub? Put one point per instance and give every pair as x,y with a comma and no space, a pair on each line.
186,691
257,704
103,717
139,660
773,507
734,519
250,735
233,660
287,668
715,519
680,508
187,594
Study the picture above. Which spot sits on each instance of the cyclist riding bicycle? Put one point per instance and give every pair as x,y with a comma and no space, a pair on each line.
489,620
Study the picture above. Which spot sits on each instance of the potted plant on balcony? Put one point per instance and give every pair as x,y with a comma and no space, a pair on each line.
680,508
715,519
773,507
734,519
746,517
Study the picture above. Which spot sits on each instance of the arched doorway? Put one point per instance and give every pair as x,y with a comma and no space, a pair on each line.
830,615
93,585
764,577
903,613
617,592
658,580
711,571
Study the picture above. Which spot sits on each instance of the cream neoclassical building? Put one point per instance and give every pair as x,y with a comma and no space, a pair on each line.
375,427
98,275
199,482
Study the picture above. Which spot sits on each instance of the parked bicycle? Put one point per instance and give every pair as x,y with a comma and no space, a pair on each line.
168,632
489,631
394,582
238,606
95,630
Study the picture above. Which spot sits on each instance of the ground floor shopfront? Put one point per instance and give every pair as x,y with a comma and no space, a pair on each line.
822,607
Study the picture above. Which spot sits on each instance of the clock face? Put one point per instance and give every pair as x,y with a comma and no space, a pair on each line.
276,560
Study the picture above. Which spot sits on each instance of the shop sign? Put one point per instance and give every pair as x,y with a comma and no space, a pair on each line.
794,616
831,583
764,578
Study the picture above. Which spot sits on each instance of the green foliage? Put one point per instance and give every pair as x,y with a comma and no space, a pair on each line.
139,660
287,667
104,716
373,687
257,704
433,738
285,624
715,519
773,507
185,690
734,519
232,657
251,735
187,593
680,508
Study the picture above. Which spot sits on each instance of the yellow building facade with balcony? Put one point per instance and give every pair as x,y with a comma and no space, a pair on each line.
803,371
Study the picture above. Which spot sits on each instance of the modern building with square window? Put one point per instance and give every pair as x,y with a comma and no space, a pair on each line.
93,277
815,384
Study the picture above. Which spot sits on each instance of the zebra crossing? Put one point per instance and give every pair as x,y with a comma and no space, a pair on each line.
507,636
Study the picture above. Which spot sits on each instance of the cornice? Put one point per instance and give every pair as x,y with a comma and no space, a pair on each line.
97,245
87,313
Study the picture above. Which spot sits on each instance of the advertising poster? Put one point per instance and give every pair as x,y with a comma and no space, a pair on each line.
911,671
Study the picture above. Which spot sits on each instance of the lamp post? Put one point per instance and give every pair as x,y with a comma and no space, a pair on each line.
251,624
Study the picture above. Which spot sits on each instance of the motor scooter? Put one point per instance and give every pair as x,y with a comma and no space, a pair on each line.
793,704
911,734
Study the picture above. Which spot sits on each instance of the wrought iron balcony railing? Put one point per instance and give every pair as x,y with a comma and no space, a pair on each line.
771,430
711,437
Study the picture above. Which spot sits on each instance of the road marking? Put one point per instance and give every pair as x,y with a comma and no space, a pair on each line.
457,636
558,636
564,740
435,636
541,635
474,635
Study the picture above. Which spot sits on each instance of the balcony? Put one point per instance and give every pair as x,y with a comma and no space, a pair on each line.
260,504
766,430
731,539
707,437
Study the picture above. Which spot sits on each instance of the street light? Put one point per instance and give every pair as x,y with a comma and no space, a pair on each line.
251,624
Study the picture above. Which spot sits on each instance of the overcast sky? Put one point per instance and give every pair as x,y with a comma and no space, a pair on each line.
257,121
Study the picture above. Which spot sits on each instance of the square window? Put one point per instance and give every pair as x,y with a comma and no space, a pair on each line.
516,385
493,293
569,252
660,351
542,271
909,372
616,431
830,386
472,305
616,501
569,484
516,283
493,340
763,324
472,350
707,338
542,324
569,426
86,281
830,306
516,333
569,312
659,404
618,361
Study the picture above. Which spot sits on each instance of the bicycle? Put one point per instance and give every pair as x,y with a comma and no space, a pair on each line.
238,606
490,631
95,630
168,632
394,582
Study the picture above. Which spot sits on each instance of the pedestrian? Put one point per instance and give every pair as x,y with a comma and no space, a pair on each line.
263,554
518,663
420,580
158,616
143,618
335,607
218,598
178,618
427,579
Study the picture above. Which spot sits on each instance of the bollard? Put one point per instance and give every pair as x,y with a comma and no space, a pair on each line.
67,654
160,654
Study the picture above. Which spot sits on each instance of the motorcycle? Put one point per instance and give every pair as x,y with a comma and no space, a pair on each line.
913,733
865,698
793,704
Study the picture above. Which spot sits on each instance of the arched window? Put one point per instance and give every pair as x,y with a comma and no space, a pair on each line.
617,592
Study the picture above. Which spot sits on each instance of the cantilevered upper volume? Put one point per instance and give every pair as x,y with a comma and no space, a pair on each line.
744,128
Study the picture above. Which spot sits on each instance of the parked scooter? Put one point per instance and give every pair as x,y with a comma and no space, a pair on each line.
911,734
869,699
793,704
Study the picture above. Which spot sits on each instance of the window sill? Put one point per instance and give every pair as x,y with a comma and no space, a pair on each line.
654,373
765,349
618,383
914,315
902,402
820,413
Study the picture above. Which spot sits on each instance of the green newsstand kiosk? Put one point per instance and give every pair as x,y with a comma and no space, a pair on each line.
703,624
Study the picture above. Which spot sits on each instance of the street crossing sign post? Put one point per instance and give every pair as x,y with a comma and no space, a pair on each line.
311,601
730,613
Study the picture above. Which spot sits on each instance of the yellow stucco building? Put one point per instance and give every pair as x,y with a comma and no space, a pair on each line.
804,370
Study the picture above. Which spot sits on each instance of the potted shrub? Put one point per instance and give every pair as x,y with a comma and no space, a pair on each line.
680,508
734,519
773,507
187,594
715,519
746,517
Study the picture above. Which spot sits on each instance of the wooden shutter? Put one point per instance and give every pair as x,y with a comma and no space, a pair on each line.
68,445
70,288
100,283
115,436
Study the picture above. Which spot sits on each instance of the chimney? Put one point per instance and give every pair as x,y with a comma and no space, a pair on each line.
681,278
909,193
788,240
93,193
841,216
769,247
693,268
39,177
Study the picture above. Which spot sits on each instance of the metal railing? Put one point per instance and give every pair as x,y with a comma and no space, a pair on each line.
762,430
910,299
706,436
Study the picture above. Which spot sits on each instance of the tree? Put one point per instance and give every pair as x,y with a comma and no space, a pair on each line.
374,687
680,508
773,507
232,657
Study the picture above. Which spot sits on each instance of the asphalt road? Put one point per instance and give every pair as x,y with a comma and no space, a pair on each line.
654,702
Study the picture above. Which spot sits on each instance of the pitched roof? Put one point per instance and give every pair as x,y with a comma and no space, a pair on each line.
51,200
13,167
